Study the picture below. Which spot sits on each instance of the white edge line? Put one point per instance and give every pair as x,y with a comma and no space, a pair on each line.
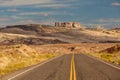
90,56
34,67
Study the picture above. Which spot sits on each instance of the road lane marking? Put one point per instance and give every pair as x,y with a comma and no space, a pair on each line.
72,69
102,61
34,67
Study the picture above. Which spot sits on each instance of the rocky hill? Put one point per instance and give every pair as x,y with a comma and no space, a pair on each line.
31,41
31,29
10,39
22,29
45,34
113,49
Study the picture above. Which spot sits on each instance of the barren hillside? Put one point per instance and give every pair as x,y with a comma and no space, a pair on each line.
49,34
14,57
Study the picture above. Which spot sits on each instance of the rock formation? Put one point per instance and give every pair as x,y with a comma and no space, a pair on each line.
69,24
113,49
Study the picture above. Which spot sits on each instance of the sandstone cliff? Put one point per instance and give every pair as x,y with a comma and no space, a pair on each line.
69,25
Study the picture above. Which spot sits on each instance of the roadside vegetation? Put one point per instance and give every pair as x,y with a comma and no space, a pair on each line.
113,58
111,54
19,56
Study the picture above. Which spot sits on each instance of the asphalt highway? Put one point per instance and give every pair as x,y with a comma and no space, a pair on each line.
70,67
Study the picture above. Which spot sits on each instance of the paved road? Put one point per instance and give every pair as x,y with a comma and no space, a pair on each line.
71,67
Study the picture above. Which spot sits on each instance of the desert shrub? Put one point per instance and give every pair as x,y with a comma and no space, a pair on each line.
116,60
49,55
113,58
106,56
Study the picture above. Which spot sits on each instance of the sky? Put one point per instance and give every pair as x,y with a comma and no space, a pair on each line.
87,12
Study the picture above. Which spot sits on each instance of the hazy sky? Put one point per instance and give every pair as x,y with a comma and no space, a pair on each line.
104,12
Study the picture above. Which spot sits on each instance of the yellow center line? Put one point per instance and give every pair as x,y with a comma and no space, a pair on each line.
72,69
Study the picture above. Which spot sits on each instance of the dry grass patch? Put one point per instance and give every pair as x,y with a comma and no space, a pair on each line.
19,56
113,58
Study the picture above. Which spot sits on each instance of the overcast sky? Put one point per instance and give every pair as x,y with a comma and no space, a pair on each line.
89,12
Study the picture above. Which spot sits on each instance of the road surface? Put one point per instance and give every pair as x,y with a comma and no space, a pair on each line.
70,67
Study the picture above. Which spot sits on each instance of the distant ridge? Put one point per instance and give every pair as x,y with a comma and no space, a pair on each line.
22,29
54,34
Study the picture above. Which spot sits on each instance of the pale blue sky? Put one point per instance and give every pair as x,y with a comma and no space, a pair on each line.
89,12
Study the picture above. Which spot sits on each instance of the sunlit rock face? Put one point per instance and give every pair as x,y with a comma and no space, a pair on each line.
77,25
69,24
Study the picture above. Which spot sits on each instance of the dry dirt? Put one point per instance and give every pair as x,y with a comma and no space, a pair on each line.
73,48
112,50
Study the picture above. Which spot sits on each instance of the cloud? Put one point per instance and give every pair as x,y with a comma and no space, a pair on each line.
32,21
117,20
93,24
36,3
116,4
15,17
4,19
19,22
2,11
23,2
9,10
27,21
12,10
46,13
50,21
34,13
54,6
